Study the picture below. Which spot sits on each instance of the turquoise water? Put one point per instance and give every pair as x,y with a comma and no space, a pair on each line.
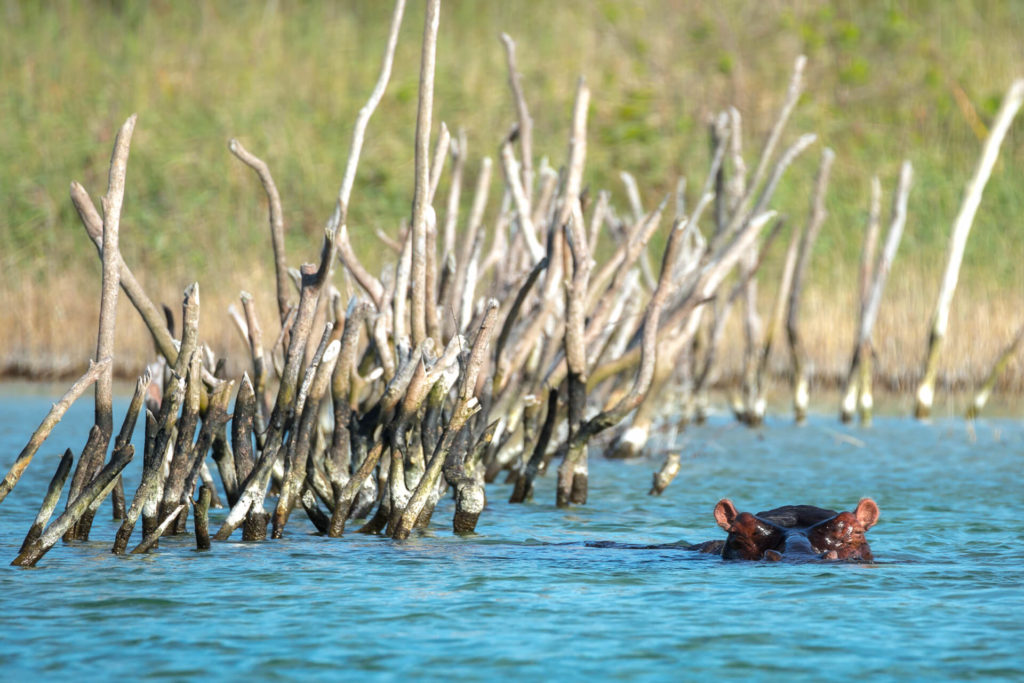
526,597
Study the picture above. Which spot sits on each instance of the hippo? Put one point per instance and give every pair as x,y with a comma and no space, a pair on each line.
794,532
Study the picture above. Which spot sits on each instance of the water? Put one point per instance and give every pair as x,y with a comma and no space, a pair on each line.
526,599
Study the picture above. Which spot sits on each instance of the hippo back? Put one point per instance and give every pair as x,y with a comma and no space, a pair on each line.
797,516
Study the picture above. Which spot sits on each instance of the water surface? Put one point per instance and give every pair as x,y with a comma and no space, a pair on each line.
526,598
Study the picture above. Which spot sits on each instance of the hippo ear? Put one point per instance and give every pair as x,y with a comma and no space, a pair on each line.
867,513
725,513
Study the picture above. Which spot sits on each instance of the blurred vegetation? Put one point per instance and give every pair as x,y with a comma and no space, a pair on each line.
886,80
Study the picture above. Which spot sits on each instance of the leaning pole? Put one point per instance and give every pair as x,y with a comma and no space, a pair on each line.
958,240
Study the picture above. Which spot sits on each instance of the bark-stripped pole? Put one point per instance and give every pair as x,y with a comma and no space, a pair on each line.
617,269
451,214
501,367
981,398
470,241
1012,102
340,216
664,476
303,438
201,511
512,178
188,365
708,281
254,487
515,82
49,422
860,384
124,436
421,186
523,490
779,311
340,453
880,273
153,537
698,292
259,359
94,452
111,279
178,468
433,323
99,487
339,219
276,216
810,235
573,472
153,461
151,315
49,500
381,413
401,450
465,407
214,421
743,212
636,205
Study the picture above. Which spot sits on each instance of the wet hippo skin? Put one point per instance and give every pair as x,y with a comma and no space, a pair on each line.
794,532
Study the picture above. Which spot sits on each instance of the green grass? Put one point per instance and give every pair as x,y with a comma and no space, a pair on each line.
288,79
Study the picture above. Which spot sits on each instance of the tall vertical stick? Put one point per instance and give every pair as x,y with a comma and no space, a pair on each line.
111,203
95,450
873,295
421,187
815,221
958,240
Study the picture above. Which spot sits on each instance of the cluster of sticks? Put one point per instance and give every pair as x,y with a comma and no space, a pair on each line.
481,350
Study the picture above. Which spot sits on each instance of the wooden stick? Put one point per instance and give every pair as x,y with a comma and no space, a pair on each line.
465,407
174,484
153,461
340,217
100,486
441,147
848,402
276,222
981,398
201,512
1012,102
150,541
421,186
799,354
451,214
322,369
523,210
664,476
112,203
880,274
150,313
49,422
123,439
515,82
470,242
573,472
49,500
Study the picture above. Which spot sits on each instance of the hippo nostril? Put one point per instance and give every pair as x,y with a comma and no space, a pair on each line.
772,555
798,544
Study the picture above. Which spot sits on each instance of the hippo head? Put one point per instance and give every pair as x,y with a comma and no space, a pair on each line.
797,532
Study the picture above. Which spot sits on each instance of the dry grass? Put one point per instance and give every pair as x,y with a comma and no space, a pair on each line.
49,337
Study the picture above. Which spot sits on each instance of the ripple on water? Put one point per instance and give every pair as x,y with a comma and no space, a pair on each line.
526,598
